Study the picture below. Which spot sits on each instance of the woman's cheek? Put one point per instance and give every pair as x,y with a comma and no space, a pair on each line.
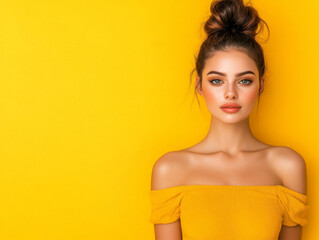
250,98
213,99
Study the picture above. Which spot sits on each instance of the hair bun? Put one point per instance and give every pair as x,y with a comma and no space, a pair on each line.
232,16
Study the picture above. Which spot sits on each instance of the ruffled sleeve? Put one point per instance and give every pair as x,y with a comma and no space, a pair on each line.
165,204
295,207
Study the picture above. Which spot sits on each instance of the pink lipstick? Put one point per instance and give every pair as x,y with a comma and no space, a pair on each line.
230,107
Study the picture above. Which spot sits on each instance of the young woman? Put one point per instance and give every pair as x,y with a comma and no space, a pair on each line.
230,185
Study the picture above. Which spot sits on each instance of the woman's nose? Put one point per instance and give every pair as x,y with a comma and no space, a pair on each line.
230,93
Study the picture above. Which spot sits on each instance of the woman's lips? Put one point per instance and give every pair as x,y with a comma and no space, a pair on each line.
230,109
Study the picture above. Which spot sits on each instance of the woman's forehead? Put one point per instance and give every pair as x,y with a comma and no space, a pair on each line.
229,62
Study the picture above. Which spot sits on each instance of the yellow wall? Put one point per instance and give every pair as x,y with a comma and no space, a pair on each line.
93,92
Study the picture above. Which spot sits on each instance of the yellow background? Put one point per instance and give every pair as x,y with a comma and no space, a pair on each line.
93,92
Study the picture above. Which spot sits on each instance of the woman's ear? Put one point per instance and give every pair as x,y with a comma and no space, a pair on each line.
198,86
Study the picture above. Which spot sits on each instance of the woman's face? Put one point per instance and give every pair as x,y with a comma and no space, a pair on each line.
228,83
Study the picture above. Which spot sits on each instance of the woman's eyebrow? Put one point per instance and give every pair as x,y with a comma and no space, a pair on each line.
237,75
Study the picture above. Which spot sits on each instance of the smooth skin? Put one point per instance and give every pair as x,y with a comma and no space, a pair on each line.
229,154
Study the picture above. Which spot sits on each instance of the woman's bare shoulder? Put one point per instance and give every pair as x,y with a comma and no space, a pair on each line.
168,169
291,167
284,153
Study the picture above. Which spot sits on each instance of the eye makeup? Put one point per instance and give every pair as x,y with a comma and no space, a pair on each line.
247,80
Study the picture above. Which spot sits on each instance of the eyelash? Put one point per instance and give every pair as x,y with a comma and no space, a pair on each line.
250,81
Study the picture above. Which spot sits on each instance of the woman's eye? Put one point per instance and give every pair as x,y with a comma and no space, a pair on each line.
216,81
212,81
247,81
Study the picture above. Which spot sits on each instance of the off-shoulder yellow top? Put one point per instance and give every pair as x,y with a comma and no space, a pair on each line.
229,211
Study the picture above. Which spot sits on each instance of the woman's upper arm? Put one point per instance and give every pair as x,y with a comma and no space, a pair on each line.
294,176
168,231
164,175
290,233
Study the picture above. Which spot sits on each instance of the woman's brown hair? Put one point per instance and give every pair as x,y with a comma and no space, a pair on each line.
231,25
